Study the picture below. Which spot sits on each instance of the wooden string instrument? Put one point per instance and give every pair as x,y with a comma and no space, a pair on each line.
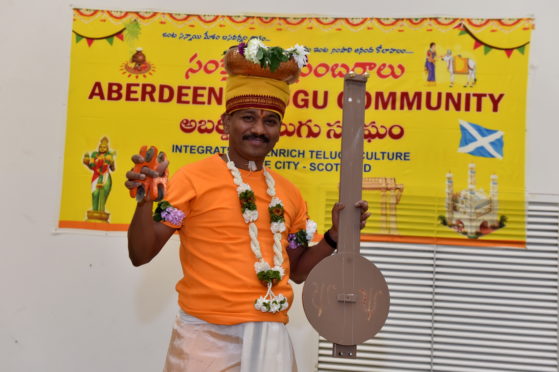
345,297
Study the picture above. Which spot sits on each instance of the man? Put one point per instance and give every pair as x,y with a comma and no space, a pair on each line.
449,59
244,232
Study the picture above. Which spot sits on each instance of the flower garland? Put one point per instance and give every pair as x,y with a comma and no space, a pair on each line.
269,275
257,52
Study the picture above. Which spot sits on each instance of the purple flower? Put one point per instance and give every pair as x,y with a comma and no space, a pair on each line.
292,239
172,215
241,48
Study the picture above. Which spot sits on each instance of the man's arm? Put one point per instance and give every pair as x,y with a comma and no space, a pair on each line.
302,260
145,236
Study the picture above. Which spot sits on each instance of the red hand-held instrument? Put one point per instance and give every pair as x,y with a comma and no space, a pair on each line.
150,188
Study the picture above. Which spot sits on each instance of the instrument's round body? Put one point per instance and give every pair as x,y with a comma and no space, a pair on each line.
346,299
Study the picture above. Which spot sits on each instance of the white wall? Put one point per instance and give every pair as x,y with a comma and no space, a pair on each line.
73,302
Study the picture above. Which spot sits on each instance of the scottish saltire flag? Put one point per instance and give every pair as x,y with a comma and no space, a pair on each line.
479,141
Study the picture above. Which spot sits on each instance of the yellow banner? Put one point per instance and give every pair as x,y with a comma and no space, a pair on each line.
445,127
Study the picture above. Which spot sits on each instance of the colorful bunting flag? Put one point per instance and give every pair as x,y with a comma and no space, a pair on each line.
109,38
486,47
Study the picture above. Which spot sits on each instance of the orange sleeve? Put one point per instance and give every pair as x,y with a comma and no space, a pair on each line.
180,193
301,213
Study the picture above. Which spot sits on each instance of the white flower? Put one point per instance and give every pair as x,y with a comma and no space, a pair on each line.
250,216
252,48
242,188
237,179
277,227
275,201
259,304
299,54
261,266
275,307
265,305
282,301
231,165
279,269
310,229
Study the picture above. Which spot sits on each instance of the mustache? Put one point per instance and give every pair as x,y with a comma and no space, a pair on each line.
262,137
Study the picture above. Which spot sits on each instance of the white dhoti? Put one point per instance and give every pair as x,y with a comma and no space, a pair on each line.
199,346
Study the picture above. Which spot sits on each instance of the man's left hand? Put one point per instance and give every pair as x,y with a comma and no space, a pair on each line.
361,204
364,206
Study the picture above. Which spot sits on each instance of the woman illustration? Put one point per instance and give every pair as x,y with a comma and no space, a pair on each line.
430,64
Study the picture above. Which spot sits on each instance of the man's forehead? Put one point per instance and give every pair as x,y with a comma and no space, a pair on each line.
259,112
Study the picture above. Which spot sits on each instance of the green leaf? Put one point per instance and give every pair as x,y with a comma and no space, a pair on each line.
274,64
268,275
133,30
275,218
276,52
301,237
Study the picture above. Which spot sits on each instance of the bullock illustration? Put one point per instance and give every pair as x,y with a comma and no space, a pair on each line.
460,66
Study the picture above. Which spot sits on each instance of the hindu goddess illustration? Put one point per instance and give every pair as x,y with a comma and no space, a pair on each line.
102,163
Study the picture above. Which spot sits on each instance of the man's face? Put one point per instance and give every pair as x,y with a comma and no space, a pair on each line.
253,133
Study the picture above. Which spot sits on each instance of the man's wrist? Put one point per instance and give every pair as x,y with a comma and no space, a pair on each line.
330,240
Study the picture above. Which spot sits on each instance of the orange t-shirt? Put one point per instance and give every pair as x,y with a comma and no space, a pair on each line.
220,284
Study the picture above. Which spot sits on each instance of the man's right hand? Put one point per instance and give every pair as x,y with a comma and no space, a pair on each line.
148,179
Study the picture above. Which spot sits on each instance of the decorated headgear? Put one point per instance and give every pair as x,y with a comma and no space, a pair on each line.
259,76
